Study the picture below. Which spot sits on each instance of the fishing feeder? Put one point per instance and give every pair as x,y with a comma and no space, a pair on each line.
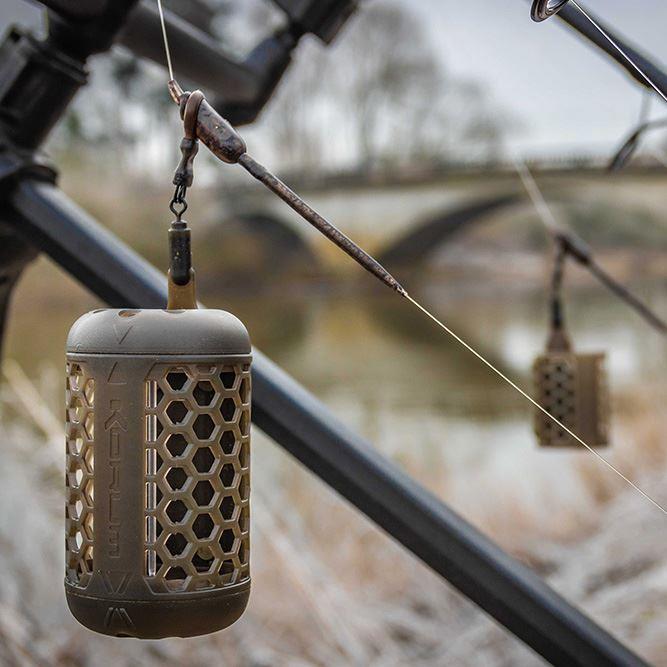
158,478
571,387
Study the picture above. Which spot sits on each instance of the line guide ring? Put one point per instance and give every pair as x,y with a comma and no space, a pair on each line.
544,9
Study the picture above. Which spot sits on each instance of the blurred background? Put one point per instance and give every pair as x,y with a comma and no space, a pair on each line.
413,115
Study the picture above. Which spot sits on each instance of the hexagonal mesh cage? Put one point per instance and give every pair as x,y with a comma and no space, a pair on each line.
573,388
162,400
197,476
79,494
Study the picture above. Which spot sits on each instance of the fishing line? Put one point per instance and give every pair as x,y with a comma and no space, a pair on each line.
367,261
645,108
543,209
611,40
166,41
546,215
579,251
529,398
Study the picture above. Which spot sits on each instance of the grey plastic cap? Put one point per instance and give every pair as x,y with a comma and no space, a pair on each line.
178,332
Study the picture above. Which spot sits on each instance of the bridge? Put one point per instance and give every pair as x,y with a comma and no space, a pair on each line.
404,216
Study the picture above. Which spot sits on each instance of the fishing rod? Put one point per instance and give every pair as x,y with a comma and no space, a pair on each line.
628,148
631,143
573,245
544,9
577,249
203,123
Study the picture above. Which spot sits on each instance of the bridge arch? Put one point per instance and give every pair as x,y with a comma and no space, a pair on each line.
426,236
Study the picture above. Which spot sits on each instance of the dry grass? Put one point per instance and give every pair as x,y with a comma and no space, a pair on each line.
329,588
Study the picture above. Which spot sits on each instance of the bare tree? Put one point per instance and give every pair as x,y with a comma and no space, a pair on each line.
390,75
379,95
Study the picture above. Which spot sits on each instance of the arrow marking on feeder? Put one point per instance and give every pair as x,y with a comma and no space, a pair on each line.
118,619
116,376
120,334
118,587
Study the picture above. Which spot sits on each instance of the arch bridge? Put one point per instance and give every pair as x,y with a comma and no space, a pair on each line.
404,217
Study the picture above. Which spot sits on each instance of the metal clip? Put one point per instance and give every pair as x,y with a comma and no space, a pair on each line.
184,174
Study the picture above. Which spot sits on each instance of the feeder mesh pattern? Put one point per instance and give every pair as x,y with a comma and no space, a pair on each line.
555,379
573,389
79,494
197,476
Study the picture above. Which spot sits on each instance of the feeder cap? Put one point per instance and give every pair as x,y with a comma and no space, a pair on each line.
161,332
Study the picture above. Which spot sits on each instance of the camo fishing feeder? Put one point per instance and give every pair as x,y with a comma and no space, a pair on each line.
571,387
158,463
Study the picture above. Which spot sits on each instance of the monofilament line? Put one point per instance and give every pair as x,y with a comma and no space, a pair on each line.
166,41
533,401
549,219
535,194
610,39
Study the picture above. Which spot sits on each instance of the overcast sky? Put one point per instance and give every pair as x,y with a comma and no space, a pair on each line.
566,97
